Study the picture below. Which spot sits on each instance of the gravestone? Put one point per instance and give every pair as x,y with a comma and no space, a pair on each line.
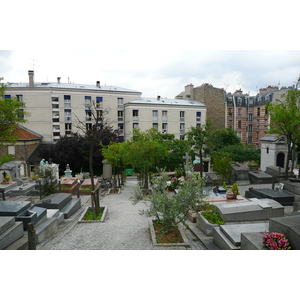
13,208
107,169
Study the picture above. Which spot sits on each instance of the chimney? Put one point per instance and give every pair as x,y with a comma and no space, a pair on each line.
58,79
31,78
98,84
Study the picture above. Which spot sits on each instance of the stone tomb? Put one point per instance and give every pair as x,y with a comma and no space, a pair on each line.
10,232
284,198
69,185
86,186
62,201
24,189
260,178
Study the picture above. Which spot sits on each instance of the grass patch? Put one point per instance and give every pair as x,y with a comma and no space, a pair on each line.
89,215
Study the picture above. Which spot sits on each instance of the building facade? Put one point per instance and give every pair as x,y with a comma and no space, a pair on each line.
213,98
166,115
55,108
247,114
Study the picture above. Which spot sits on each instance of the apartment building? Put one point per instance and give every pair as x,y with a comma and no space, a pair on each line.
56,107
166,115
247,114
213,98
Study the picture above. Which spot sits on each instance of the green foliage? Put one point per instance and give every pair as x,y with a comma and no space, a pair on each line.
222,138
235,189
11,115
6,158
169,208
49,182
224,186
212,217
222,166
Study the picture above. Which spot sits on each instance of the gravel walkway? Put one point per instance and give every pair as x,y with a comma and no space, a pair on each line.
124,228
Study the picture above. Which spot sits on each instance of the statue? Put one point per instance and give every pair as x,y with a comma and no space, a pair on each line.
43,163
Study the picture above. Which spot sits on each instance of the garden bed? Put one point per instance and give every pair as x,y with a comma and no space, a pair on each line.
83,217
176,237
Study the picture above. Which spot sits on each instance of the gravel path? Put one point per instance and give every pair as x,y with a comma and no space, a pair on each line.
124,228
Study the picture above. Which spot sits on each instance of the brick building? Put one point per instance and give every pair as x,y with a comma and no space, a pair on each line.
247,114
213,98
26,144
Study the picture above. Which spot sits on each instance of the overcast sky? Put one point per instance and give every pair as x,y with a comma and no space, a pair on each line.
157,72
155,35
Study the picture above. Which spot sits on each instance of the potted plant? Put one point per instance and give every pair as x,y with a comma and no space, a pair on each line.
233,192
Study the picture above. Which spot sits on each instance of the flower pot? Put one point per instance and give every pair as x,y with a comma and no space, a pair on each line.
231,196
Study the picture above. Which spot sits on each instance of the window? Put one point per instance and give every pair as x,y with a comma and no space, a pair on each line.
198,116
266,123
240,135
154,115
20,98
87,101
54,99
239,112
67,100
198,124
120,103
22,113
268,150
258,123
250,128
249,140
230,123
164,115
120,115
182,128
164,127
121,128
135,115
99,102
11,150
250,117
258,111
135,125
155,125
68,128
68,115
257,135
239,124
55,128
182,116
99,115
88,115
7,96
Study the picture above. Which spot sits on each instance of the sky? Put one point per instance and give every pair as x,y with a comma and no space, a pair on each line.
156,72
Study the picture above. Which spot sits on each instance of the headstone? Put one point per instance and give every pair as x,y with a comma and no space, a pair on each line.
107,169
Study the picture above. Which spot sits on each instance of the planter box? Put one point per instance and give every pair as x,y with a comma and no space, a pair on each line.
153,237
81,219
204,225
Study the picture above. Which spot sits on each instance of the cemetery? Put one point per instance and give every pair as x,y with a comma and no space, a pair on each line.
246,216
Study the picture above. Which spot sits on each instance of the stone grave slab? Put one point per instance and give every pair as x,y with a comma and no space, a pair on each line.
277,209
13,232
5,223
13,208
234,231
260,177
284,198
290,227
24,189
243,211
55,201
252,241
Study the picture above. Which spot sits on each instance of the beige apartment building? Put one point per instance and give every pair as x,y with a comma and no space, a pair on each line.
56,107
166,115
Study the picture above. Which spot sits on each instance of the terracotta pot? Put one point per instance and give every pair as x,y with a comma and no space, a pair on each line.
231,196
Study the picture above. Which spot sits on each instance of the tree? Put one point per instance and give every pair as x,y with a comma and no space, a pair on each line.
171,209
285,120
197,138
144,151
222,167
223,137
114,153
91,133
11,115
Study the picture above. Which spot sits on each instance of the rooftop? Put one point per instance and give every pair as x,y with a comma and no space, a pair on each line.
77,86
162,101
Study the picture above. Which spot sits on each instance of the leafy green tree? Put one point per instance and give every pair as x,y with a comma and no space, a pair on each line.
285,120
222,138
222,167
198,138
171,209
6,158
143,151
11,115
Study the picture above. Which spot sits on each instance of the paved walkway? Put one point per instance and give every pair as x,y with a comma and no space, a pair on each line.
123,229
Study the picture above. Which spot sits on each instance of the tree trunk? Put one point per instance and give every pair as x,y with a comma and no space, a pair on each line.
93,197
201,163
287,162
